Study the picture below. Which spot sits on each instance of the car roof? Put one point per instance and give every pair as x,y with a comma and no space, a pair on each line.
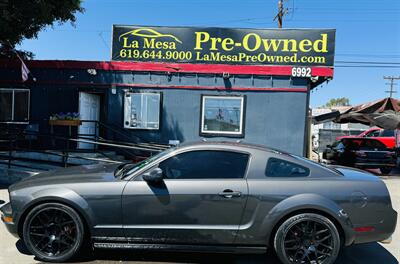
230,145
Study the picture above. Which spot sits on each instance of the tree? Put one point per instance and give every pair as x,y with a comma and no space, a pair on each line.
343,101
21,19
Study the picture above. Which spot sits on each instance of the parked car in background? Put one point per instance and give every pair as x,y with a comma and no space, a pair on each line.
209,196
386,136
371,132
364,153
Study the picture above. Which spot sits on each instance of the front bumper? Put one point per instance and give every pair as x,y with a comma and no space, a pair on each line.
6,215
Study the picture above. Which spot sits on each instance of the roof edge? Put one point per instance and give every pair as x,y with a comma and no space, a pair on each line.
282,70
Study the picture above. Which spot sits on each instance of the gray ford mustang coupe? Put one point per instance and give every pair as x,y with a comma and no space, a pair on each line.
208,196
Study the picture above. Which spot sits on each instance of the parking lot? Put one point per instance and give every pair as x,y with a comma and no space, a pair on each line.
14,251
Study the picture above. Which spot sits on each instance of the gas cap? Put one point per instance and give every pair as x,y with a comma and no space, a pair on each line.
359,199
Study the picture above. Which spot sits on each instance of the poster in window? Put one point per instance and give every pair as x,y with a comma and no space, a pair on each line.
222,115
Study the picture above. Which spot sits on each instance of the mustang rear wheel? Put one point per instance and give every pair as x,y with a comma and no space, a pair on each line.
53,232
307,238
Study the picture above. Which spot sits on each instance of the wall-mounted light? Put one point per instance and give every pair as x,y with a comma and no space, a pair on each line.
113,89
314,79
169,76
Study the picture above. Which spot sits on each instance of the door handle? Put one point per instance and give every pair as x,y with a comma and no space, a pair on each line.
229,193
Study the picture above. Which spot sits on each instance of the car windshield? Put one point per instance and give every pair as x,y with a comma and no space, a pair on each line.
129,168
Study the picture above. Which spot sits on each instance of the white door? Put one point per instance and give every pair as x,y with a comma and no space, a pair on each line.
89,109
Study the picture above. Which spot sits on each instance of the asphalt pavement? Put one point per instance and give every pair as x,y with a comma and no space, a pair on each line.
13,251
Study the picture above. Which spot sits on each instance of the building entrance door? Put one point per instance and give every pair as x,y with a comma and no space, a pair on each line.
89,110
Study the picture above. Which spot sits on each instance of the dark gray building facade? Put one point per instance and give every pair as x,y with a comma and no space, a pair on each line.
144,102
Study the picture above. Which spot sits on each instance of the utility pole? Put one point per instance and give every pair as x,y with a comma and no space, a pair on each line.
281,13
391,83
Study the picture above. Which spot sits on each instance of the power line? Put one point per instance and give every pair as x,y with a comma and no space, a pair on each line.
348,20
344,9
293,9
104,41
368,55
347,10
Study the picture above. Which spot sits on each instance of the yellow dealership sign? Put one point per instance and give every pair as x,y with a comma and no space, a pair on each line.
310,47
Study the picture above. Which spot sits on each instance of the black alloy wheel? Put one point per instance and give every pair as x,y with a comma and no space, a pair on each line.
307,238
53,232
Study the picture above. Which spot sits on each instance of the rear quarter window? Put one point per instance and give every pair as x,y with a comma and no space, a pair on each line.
387,133
282,168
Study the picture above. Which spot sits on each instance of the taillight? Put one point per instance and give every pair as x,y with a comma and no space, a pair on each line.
390,154
364,229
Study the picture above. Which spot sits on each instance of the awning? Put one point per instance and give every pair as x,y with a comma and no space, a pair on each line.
384,113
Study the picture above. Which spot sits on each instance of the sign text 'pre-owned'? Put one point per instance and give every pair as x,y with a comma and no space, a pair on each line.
311,47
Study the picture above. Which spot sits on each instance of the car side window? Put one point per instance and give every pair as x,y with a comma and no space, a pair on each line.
387,133
205,164
282,168
374,133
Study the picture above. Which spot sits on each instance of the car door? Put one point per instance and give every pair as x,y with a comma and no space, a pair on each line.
200,200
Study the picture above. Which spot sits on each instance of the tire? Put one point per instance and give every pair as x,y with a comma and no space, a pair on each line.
306,237
53,232
386,170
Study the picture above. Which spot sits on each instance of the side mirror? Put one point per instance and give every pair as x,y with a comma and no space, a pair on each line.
153,176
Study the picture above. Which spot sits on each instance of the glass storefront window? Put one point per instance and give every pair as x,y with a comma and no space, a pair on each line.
222,115
142,110
14,105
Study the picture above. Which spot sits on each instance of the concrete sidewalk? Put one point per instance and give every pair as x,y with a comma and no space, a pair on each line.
13,250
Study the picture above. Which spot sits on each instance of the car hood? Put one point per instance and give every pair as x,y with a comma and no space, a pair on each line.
342,137
77,174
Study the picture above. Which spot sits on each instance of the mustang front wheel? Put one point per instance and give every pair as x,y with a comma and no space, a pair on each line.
53,232
307,238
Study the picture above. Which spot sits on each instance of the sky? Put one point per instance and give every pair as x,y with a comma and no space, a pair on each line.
366,31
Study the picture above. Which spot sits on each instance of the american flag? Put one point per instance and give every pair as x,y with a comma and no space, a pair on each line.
25,71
